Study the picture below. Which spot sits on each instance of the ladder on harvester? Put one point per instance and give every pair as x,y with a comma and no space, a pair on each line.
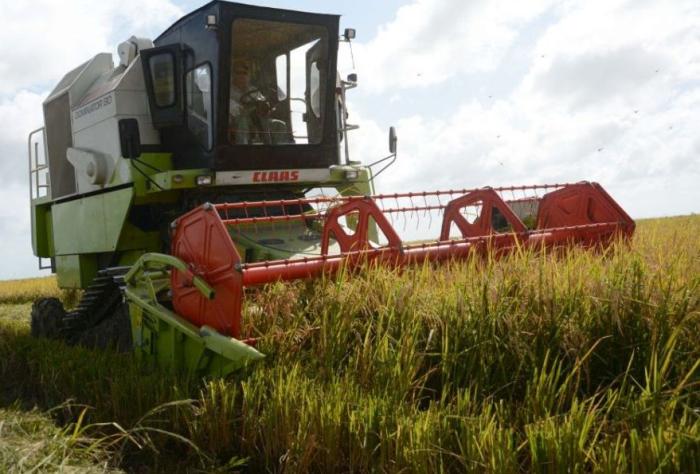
39,178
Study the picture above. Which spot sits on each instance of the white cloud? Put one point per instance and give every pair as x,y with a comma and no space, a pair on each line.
610,92
431,41
42,40
18,115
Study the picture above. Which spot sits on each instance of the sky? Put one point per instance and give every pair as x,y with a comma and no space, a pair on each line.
480,92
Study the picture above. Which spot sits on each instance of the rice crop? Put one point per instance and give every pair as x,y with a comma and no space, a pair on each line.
575,361
30,442
28,289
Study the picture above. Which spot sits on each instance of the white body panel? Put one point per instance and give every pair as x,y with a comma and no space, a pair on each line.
95,123
273,176
99,96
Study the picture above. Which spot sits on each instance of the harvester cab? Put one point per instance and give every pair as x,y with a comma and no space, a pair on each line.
166,184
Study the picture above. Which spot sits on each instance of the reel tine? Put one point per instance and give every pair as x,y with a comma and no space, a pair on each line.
416,212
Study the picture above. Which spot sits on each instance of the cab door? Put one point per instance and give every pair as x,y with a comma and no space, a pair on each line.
316,86
162,70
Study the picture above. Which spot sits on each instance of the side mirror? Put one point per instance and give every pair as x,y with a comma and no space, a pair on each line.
393,140
352,78
349,34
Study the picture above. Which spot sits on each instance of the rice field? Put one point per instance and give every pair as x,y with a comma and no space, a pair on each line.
574,362
27,290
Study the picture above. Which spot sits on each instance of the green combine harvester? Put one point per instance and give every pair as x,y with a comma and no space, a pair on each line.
216,158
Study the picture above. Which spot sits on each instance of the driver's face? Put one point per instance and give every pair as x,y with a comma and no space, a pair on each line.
241,78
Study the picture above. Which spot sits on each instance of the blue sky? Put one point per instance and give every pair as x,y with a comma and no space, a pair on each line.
482,92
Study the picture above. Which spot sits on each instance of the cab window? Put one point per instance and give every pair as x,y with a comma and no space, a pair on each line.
277,90
199,104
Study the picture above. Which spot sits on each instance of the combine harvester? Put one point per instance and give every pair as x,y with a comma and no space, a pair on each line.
215,159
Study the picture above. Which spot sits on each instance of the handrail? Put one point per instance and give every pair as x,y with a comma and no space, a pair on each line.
158,261
35,168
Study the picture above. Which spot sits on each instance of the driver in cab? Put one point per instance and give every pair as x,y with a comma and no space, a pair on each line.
248,107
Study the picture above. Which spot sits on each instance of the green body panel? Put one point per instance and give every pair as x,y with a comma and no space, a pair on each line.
75,271
42,244
360,186
129,257
146,175
75,232
91,224
294,238
164,339
176,179
133,238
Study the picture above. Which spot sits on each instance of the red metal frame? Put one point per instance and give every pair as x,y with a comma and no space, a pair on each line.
365,210
202,241
483,225
581,213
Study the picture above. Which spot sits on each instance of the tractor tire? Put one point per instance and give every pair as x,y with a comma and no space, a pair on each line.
47,318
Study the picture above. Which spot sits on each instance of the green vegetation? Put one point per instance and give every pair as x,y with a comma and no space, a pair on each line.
29,441
576,362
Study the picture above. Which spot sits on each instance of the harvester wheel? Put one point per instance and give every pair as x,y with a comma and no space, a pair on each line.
47,318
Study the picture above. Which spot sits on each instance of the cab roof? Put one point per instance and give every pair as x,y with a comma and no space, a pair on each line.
217,4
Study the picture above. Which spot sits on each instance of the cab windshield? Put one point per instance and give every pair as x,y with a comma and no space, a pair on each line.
278,83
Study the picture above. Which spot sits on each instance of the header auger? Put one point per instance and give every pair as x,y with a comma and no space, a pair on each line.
171,183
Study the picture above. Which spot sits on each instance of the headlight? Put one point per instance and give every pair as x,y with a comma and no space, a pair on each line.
204,180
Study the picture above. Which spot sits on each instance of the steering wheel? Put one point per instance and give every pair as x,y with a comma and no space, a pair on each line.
256,107
256,100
